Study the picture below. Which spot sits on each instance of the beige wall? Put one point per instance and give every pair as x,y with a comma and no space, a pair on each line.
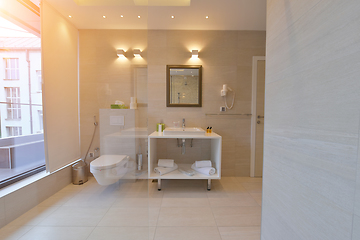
311,183
226,57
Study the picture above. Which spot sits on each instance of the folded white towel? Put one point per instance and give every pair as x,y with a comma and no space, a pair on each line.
166,163
203,163
204,170
165,170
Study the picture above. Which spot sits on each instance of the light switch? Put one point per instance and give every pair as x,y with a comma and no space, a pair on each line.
117,120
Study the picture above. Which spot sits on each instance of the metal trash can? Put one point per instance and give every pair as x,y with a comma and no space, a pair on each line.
79,174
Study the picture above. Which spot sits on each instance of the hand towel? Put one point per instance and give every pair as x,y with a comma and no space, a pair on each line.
204,170
165,170
166,163
203,163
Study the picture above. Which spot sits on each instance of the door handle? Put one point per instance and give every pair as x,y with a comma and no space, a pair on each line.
260,116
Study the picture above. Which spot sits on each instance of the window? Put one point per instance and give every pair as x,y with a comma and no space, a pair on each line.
21,123
40,114
13,103
11,68
14,131
38,74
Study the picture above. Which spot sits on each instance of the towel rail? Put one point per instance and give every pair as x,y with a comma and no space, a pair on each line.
228,114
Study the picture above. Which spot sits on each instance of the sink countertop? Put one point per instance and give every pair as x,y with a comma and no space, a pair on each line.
161,135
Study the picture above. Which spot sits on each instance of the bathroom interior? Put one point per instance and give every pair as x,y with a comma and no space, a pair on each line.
111,101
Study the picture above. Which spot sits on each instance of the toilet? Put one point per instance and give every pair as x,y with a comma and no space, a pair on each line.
108,169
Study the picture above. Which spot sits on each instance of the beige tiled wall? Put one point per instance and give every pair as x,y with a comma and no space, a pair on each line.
226,57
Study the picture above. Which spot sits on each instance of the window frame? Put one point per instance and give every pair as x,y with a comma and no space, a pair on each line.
10,130
13,106
8,68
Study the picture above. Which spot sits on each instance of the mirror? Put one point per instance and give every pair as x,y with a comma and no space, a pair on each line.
183,86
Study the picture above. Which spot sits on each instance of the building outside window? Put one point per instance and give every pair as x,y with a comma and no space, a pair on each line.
11,68
14,131
38,74
21,123
13,103
40,113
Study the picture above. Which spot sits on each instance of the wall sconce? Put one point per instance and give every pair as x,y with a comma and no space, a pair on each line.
137,53
120,53
195,54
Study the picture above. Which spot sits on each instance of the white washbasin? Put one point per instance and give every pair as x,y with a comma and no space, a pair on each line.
184,131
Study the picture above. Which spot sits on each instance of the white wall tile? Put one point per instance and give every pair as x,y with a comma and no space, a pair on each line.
312,126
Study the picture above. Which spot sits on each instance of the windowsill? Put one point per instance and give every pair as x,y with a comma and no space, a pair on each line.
11,79
22,183
29,180
10,119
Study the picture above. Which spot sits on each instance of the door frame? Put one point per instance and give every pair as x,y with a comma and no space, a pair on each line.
253,112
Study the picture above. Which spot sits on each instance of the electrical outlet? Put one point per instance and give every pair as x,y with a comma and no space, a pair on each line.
222,109
91,154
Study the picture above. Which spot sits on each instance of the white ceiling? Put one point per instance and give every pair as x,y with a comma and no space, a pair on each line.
223,14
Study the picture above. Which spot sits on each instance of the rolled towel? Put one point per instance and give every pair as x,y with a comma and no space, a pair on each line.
203,163
204,170
165,170
166,163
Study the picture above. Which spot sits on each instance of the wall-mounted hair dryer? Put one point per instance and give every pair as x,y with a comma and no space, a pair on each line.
224,92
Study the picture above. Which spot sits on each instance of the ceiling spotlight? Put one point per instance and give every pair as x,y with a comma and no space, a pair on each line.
195,54
120,53
139,16
172,16
121,16
104,16
207,17
137,53
69,16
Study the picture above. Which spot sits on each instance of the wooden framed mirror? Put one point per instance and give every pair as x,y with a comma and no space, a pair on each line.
183,85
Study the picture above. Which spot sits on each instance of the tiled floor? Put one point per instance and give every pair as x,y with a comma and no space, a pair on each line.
129,210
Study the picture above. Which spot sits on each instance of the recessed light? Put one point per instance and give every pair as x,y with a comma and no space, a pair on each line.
207,17
121,16
139,16
104,16
172,16
69,16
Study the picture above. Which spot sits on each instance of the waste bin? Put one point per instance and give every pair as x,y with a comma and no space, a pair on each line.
79,174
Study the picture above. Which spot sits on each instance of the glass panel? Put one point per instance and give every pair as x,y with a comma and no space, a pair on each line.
21,131
119,101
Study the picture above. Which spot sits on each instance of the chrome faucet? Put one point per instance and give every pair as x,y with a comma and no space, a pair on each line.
183,126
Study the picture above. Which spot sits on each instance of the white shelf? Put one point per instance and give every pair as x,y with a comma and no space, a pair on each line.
215,152
179,175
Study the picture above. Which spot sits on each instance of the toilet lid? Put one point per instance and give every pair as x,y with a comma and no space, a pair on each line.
107,161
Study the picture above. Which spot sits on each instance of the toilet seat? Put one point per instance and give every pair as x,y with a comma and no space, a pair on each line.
107,162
